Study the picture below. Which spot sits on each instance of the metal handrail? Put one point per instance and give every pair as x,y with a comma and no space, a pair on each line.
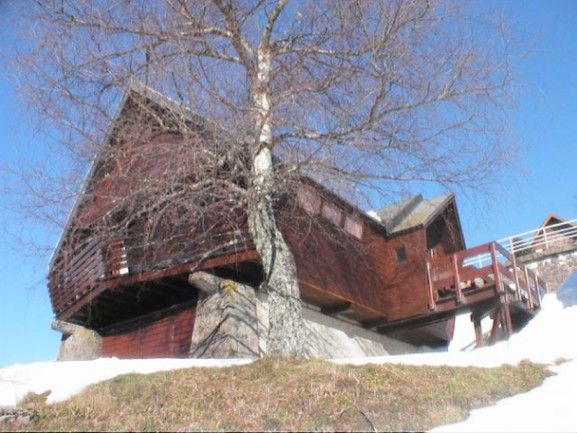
532,240
550,234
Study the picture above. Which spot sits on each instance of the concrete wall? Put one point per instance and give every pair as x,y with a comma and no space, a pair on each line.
329,337
234,323
335,338
554,268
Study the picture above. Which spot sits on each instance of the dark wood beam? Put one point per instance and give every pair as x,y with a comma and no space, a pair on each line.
146,318
69,312
115,304
159,293
372,324
222,260
334,309
174,284
413,323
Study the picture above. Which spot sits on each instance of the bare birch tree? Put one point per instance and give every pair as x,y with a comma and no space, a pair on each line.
360,94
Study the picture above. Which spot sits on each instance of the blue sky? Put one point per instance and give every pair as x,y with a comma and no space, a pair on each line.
543,125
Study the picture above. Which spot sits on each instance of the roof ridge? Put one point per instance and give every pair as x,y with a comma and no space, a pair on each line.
405,208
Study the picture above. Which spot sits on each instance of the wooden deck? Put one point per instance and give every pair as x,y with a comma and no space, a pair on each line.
101,266
467,278
483,280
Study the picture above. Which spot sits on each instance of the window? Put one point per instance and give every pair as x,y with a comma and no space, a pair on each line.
332,213
354,226
309,200
313,203
401,255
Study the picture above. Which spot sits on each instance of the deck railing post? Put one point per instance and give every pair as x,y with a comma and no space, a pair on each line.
431,297
457,279
516,276
496,272
545,238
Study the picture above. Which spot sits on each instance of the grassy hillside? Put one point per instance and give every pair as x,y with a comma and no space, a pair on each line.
284,394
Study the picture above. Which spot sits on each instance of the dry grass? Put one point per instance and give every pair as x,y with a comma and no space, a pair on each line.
284,394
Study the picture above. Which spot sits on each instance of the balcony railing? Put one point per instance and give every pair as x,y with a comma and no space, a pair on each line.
542,239
73,279
488,266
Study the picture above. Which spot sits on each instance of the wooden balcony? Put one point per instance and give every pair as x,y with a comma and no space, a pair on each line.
73,279
98,266
482,280
475,275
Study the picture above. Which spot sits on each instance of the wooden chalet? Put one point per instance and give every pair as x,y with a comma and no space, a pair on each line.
404,270
555,232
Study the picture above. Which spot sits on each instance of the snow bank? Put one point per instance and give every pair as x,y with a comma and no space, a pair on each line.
549,336
65,379
547,408
545,339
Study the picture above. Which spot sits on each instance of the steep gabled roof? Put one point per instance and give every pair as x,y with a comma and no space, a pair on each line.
553,219
137,90
554,223
395,218
412,212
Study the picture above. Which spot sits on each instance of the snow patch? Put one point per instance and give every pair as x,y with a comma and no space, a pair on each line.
67,378
546,408
545,339
373,214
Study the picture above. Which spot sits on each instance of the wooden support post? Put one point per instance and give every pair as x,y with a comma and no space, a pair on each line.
457,279
507,322
528,284
538,289
496,322
516,277
476,319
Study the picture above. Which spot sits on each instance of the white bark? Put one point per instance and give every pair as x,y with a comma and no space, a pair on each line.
286,329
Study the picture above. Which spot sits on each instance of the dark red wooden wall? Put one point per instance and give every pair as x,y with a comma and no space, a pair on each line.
169,336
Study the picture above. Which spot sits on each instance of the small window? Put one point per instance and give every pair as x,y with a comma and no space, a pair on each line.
401,255
332,213
354,226
309,200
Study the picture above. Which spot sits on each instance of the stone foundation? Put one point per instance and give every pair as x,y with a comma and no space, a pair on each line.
335,338
554,269
234,323
78,343
226,324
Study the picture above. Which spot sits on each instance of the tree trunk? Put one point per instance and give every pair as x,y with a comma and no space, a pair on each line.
286,329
